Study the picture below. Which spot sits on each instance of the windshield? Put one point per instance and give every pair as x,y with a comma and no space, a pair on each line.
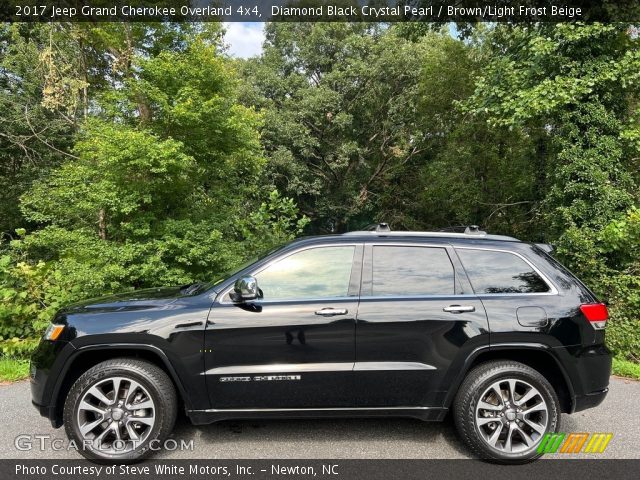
219,279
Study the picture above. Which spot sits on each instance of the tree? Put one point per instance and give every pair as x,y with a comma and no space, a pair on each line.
50,76
37,100
339,107
163,180
573,80
580,83
469,172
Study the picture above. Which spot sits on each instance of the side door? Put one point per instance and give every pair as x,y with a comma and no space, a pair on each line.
295,346
417,315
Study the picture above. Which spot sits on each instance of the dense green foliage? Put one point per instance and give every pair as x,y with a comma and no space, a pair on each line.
580,84
137,155
162,183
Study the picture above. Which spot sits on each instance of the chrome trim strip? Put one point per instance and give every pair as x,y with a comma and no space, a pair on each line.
224,410
281,368
378,366
318,367
310,301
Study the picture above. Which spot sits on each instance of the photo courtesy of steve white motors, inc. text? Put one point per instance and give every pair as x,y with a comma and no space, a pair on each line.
170,469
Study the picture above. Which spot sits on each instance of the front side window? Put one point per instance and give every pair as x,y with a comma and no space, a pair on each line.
322,272
406,271
500,272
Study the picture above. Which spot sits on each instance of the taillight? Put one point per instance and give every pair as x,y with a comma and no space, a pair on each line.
596,313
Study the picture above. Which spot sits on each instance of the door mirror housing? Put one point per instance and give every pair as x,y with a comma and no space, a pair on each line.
245,289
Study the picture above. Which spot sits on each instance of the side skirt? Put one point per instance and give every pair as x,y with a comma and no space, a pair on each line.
427,414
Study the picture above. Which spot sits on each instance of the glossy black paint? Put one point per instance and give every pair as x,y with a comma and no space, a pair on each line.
413,329
161,321
392,355
281,333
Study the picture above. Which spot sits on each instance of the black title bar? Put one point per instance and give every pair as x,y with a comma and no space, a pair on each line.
320,10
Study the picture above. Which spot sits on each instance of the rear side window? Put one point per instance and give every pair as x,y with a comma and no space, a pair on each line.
405,271
500,272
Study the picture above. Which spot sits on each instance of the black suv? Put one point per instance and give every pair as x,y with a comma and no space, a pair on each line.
371,323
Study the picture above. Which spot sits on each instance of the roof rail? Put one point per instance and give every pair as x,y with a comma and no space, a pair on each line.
471,231
468,229
474,230
378,227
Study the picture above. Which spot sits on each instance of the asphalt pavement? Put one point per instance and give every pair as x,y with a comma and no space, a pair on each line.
319,439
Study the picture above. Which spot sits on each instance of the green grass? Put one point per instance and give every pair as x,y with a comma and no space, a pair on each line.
12,369
625,368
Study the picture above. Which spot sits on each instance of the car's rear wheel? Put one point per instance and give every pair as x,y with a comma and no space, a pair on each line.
503,410
120,409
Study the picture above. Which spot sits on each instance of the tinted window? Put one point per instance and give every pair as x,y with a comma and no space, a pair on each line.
500,272
315,273
412,271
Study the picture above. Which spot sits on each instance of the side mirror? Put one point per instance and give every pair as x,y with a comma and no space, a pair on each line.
245,289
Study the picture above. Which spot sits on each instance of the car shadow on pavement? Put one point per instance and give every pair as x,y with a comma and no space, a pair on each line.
321,438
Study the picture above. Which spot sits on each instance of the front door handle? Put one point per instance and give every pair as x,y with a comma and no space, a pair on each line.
459,308
332,312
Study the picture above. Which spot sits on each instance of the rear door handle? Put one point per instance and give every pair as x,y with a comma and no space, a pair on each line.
459,308
332,312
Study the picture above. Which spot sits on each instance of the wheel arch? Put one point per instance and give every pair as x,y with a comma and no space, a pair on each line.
86,357
537,356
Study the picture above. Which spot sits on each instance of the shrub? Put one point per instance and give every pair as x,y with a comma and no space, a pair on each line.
620,243
30,293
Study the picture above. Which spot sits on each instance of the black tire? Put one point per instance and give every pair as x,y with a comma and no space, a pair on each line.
152,382
477,385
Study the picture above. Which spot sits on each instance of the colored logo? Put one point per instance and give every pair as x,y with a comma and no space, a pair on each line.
574,442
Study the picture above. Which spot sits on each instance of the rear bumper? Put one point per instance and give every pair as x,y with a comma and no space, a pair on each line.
589,371
589,400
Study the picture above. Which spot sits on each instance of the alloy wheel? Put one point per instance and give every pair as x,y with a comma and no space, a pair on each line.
512,416
115,415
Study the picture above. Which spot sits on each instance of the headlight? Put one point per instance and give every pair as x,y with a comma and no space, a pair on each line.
53,332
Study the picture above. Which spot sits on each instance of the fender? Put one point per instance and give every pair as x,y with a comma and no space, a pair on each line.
115,346
519,346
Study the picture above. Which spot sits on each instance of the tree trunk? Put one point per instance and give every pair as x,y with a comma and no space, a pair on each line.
143,109
102,225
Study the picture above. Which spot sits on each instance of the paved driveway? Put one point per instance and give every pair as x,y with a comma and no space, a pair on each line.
361,438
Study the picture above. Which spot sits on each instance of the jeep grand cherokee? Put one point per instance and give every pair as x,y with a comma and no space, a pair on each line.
371,323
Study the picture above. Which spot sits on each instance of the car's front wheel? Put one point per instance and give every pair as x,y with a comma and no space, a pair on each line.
503,410
120,409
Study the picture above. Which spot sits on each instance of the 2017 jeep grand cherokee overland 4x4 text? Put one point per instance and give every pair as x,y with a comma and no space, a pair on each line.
373,323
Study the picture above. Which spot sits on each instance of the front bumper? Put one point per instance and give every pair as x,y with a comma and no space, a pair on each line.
50,413
46,371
